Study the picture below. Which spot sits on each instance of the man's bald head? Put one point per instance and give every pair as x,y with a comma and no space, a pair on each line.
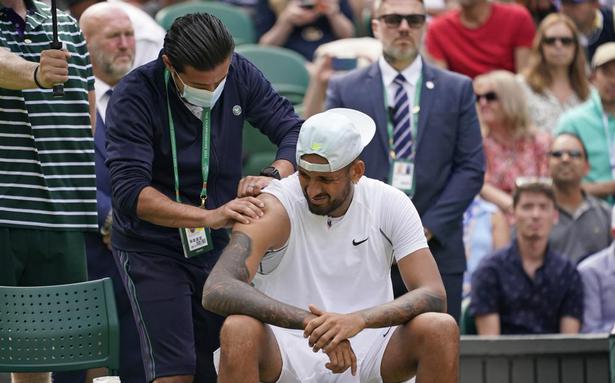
110,37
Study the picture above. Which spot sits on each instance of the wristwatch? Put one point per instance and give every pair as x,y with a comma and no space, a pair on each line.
272,172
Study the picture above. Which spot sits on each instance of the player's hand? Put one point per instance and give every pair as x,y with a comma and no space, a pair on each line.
242,210
341,358
251,186
329,329
53,67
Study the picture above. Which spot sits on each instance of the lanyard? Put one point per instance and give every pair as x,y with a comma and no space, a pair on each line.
415,118
609,143
205,117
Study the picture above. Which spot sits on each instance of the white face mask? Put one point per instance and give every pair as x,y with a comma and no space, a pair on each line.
201,97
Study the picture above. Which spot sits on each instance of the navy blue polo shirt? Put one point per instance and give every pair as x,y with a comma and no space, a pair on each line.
525,305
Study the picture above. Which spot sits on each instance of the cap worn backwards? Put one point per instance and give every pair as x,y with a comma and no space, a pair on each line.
337,135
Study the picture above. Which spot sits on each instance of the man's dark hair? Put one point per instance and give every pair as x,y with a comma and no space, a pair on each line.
540,186
199,40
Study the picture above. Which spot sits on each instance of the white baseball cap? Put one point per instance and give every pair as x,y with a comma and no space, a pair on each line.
337,135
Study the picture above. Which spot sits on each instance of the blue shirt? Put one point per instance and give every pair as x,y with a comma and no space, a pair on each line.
598,274
139,149
525,305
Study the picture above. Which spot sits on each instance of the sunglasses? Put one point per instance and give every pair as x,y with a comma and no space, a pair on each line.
489,97
523,182
576,154
566,41
393,20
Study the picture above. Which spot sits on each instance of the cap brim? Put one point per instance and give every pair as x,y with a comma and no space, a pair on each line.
362,122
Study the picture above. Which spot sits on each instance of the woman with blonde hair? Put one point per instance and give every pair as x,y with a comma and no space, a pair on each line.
555,79
513,148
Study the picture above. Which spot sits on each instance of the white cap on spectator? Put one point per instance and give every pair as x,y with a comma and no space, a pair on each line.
604,54
337,135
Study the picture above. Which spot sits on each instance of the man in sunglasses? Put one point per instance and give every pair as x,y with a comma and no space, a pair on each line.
428,141
481,36
594,123
583,226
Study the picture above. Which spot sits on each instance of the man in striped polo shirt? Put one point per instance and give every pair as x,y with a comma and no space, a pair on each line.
47,182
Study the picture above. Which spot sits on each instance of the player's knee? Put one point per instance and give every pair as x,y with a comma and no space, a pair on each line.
435,327
241,329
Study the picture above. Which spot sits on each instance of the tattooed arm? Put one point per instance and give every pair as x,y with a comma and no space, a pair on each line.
426,294
228,290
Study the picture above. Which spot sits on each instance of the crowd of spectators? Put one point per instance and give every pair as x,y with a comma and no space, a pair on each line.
509,110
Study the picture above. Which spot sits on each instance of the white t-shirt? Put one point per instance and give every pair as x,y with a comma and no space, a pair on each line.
343,266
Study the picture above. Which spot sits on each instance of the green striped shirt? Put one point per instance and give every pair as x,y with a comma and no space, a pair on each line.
47,177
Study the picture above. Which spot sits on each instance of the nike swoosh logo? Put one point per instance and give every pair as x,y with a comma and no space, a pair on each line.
357,243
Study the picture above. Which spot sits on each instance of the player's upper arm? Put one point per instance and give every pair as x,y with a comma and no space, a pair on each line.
271,231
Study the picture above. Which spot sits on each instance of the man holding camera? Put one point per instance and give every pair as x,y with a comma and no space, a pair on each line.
428,141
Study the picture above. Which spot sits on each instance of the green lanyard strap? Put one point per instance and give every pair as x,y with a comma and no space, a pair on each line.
206,118
415,117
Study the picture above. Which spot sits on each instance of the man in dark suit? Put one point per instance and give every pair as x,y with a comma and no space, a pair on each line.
428,140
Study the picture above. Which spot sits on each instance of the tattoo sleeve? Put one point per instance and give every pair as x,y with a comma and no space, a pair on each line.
228,290
403,309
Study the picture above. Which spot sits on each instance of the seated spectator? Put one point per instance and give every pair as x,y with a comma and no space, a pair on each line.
594,122
539,9
583,225
598,275
485,230
594,22
363,51
555,79
512,147
481,36
303,25
527,288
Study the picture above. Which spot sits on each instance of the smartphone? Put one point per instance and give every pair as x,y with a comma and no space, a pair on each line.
341,64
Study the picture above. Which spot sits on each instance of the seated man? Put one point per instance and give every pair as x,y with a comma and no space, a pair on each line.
526,288
597,273
323,250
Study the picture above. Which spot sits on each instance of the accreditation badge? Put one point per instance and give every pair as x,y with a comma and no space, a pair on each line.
402,176
195,241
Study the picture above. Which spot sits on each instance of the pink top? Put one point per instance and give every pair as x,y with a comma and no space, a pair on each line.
527,157
488,47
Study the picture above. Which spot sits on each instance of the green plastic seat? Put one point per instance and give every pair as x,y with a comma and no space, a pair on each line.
236,19
59,328
284,68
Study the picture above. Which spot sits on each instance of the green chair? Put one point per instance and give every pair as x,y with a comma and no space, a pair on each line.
59,328
236,20
467,325
284,68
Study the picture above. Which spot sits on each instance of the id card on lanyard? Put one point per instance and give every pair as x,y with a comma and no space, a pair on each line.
609,143
401,174
195,240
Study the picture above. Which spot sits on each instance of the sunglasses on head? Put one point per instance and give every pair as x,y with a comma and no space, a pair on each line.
415,20
489,96
570,153
566,41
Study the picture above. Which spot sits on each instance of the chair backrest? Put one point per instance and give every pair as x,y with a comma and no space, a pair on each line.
236,19
284,68
59,328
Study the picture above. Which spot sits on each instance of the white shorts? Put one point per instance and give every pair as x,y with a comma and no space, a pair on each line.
301,365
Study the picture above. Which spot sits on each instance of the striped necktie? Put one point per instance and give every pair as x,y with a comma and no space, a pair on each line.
402,130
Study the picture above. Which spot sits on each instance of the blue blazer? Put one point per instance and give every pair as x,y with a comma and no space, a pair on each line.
449,163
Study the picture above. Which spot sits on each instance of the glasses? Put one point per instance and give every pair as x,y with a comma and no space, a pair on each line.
489,96
566,41
415,20
575,154
523,182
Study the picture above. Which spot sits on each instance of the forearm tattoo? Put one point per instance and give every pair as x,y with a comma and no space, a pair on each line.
228,290
403,309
